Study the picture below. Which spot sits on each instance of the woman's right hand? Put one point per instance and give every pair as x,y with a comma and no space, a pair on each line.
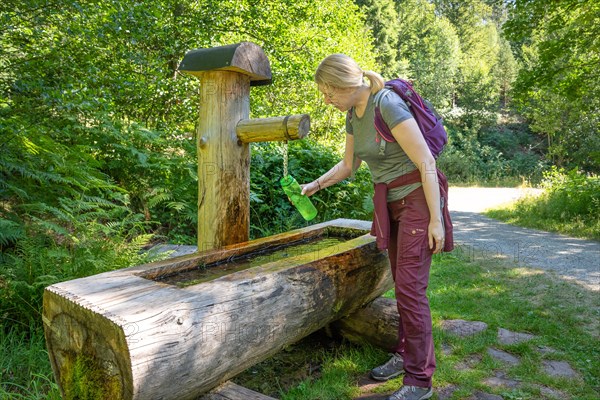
310,188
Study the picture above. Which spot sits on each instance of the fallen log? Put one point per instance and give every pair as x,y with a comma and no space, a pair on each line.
376,323
153,332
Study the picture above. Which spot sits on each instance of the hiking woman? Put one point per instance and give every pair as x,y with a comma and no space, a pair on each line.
411,211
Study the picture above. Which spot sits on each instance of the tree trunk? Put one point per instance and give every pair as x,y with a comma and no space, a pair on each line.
133,334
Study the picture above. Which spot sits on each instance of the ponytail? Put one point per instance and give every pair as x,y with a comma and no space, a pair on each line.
376,82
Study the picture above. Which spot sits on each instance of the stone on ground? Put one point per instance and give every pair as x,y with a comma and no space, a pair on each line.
546,350
462,328
507,337
468,363
500,379
445,392
478,395
552,393
503,356
559,369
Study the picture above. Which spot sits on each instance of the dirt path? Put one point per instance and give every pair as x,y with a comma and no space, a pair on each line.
482,237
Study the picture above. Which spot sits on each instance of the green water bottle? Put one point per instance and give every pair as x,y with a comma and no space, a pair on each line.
302,202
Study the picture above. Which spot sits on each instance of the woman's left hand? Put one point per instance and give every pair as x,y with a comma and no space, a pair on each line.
436,236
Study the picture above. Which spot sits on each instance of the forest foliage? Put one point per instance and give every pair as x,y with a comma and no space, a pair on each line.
97,125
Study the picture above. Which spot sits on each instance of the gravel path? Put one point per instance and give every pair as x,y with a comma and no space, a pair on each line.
481,237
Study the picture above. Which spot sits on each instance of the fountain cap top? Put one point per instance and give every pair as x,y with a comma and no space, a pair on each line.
246,58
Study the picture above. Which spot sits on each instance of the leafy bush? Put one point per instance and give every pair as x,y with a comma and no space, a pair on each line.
271,212
505,152
572,194
523,150
457,166
466,160
158,171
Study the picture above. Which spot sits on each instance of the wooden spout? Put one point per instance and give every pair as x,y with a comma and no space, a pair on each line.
291,127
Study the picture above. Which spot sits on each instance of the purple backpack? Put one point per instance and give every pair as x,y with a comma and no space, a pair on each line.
427,119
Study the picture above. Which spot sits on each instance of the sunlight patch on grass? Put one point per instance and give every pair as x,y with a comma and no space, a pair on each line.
562,316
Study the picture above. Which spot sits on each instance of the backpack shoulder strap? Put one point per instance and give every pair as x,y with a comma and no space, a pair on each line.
383,130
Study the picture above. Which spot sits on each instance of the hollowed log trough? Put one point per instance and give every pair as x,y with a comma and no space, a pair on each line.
146,333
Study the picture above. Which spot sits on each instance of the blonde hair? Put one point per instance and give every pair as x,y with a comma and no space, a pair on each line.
340,71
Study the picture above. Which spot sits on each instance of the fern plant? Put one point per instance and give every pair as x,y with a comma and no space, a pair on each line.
40,259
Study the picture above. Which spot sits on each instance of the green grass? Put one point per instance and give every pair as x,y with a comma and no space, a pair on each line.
561,315
336,381
25,371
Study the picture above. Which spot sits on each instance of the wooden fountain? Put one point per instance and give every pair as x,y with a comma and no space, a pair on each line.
176,329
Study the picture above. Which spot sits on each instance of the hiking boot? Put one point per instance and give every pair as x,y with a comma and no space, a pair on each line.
389,370
412,393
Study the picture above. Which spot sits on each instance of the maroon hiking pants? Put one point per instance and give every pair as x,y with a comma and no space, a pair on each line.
410,259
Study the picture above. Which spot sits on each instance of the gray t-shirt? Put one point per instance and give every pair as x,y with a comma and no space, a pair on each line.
387,165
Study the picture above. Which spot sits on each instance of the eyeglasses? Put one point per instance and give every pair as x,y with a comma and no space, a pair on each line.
329,94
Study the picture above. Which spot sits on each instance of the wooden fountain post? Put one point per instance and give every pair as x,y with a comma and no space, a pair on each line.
223,136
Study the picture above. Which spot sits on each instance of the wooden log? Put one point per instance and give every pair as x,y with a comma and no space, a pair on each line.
130,334
226,74
291,127
376,324
223,163
231,391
